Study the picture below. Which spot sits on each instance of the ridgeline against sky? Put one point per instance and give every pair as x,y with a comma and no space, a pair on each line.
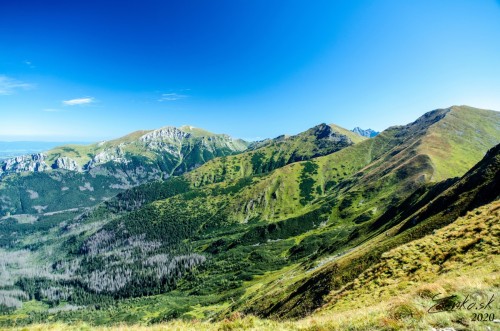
91,70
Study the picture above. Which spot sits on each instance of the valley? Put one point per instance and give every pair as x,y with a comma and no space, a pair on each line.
191,229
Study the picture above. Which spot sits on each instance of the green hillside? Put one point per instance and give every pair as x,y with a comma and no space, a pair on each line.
271,154
459,140
449,262
429,208
396,293
276,231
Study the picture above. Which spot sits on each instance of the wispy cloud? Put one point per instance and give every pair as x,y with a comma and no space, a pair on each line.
9,85
79,101
171,97
29,64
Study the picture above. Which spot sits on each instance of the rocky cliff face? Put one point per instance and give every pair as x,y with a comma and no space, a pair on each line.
109,155
168,135
66,163
25,163
37,163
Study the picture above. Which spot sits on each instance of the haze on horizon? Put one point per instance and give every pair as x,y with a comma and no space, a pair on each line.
90,71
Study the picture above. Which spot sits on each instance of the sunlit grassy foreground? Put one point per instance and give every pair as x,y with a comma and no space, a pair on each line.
396,294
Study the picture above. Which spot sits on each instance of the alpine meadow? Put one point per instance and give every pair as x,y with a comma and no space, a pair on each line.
116,215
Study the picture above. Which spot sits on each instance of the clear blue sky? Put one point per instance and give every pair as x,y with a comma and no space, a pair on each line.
92,70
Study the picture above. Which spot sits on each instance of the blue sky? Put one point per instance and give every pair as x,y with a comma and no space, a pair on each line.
92,70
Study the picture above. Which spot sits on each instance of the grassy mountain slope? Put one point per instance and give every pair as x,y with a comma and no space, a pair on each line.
427,210
450,261
397,292
248,233
92,239
353,136
456,143
275,153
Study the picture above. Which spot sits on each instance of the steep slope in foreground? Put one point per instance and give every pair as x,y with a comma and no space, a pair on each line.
462,259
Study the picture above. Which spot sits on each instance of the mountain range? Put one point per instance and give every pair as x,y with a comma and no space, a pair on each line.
72,176
169,149
368,133
180,223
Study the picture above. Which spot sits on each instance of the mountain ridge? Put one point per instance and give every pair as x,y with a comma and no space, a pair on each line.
443,203
169,152
271,231
145,143
80,176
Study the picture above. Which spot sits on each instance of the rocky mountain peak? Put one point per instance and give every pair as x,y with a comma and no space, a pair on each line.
326,132
167,143
368,133
168,133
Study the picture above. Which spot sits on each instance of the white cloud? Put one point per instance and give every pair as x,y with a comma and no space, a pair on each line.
171,97
79,101
9,86
29,64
